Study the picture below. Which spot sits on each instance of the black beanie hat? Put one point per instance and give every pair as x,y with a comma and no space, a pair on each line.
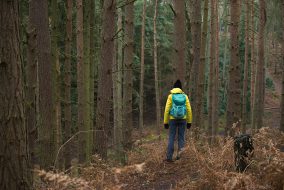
177,84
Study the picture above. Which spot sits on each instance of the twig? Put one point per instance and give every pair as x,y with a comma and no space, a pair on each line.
173,10
59,150
116,33
272,108
126,4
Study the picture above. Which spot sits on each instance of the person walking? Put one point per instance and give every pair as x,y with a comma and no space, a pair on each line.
177,117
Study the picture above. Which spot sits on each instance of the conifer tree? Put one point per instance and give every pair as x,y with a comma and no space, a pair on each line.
128,73
15,171
105,79
234,88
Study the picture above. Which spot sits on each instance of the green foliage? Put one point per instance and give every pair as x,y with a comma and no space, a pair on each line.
274,24
164,39
269,83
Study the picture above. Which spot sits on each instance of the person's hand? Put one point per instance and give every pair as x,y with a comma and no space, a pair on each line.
188,125
166,126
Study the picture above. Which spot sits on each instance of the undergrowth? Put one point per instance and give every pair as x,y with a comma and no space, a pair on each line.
202,166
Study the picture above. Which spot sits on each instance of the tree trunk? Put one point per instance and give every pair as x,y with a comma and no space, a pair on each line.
234,89
225,53
282,94
56,94
47,140
179,53
215,119
245,83
259,99
189,58
32,91
142,70
118,133
105,79
226,43
157,91
201,77
115,95
211,79
87,74
92,71
127,82
83,137
15,172
253,66
67,86
196,43
97,54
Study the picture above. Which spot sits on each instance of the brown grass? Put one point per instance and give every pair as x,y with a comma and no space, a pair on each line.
202,166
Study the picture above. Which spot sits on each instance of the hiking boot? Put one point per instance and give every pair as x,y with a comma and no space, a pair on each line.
179,154
169,160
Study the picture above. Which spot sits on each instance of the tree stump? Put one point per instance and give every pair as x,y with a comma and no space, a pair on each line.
243,148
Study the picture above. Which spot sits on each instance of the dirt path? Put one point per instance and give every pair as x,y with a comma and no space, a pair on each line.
148,171
158,176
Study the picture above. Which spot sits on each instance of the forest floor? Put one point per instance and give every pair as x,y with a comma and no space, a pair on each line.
202,166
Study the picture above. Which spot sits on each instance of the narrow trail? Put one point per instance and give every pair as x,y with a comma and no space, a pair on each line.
157,175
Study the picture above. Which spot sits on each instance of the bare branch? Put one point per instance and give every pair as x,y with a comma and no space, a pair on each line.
170,5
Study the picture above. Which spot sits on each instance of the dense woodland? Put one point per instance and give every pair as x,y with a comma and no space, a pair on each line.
83,84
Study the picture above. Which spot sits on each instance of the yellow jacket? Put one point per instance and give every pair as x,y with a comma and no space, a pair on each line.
167,115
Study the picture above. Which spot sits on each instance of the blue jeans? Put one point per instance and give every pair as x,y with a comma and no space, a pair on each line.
175,125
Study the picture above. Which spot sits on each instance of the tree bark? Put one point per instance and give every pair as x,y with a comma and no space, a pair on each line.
105,79
215,119
92,70
157,91
253,66
225,52
67,86
115,96
56,90
47,139
142,70
179,53
118,128
97,28
31,92
234,89
189,56
83,137
282,94
211,69
196,44
127,82
15,171
201,77
87,74
260,88
245,83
